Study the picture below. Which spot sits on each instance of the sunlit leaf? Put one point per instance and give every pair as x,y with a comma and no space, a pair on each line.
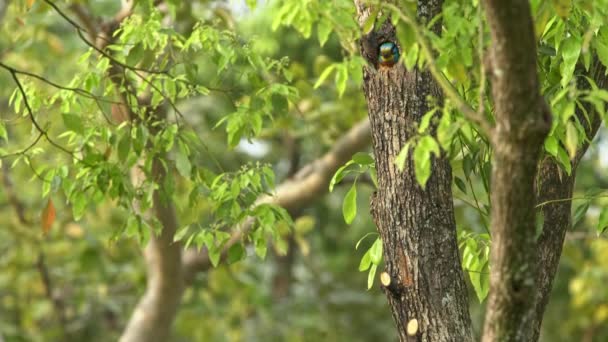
349,206
426,147
371,275
376,252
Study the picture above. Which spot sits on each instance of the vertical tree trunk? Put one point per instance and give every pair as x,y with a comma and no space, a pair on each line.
417,225
522,122
152,318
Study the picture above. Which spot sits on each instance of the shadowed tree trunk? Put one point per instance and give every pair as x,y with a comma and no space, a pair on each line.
554,184
417,225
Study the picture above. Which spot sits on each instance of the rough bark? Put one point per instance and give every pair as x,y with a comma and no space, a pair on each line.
416,224
522,122
554,184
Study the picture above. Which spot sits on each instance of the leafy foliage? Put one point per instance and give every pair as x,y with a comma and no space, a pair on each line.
169,110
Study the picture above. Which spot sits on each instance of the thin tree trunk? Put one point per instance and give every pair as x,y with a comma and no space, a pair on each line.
417,225
554,184
523,121
153,316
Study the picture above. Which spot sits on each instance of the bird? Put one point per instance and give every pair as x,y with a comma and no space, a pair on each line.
388,54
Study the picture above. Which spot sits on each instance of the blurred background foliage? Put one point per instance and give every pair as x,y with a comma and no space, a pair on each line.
81,283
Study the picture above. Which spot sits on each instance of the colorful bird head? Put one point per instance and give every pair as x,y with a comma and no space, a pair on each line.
388,54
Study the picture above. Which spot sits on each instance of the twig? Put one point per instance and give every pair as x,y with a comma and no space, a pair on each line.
569,199
33,119
79,91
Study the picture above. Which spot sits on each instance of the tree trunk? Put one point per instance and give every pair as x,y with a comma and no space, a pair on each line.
554,184
523,121
152,318
417,225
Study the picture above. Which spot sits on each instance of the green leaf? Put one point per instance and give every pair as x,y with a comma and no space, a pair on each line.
480,280
182,163
324,75
236,253
602,52
124,146
349,206
324,28
79,202
579,213
214,255
402,156
551,145
371,275
602,223
363,238
411,56
426,120
467,165
366,261
422,158
181,233
376,252
339,175
3,134
73,123
570,51
368,25
406,36
135,55
446,130
341,79
261,248
363,158
564,160
460,184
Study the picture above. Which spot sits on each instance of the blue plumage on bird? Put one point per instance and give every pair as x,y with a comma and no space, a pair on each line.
388,54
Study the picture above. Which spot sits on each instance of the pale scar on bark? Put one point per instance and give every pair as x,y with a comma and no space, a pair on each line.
406,276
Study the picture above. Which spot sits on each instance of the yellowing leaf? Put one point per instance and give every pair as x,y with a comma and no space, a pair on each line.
48,216
30,3
571,140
